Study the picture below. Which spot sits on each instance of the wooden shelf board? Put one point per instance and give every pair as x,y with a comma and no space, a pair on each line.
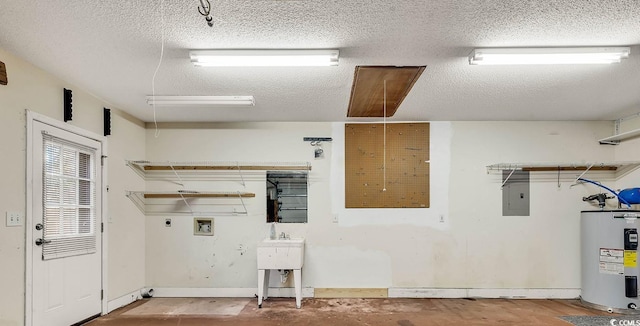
224,167
568,168
603,169
198,195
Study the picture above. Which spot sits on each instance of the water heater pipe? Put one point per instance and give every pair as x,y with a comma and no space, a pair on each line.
622,200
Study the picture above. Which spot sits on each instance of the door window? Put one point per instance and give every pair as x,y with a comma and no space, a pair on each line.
69,198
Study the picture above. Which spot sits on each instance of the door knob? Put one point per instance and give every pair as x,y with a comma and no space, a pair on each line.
40,241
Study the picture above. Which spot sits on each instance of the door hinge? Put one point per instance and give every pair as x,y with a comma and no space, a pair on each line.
101,294
102,160
102,227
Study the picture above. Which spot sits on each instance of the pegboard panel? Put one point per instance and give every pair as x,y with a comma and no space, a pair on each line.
407,165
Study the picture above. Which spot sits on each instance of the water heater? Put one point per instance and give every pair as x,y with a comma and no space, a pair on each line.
609,254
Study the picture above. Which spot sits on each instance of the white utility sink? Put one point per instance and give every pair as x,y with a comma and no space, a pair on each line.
281,253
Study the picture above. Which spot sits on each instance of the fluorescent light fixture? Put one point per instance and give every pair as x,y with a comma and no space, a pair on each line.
264,58
201,100
543,56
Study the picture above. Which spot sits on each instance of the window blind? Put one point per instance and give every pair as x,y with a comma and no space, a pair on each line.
69,198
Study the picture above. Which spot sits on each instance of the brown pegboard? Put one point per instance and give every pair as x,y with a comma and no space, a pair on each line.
407,166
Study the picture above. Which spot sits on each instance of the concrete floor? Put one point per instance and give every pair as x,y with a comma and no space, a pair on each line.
344,312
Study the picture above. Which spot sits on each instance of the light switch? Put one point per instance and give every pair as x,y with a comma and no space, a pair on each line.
15,219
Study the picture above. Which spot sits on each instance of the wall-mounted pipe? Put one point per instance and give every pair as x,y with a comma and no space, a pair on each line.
622,200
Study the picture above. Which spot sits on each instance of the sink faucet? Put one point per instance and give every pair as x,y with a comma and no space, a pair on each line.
283,235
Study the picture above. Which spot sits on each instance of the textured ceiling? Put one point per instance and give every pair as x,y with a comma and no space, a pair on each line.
111,49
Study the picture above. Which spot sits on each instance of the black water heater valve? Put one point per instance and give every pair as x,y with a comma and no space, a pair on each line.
601,198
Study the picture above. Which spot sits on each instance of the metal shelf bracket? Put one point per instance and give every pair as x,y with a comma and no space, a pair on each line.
508,177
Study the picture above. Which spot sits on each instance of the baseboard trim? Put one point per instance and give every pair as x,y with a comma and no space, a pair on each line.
351,292
354,293
227,292
427,293
123,300
484,293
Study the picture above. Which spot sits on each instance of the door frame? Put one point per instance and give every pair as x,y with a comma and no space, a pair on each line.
31,117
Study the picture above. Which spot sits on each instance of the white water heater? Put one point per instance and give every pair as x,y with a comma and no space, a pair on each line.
609,253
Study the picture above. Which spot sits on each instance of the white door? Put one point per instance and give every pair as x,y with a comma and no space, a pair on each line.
65,227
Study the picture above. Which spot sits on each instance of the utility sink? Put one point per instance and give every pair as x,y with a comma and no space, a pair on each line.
281,253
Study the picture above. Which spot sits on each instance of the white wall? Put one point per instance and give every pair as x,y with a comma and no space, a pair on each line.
462,241
176,258
33,89
536,251
629,123
126,224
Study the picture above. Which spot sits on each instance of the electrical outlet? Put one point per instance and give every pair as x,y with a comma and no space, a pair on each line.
15,219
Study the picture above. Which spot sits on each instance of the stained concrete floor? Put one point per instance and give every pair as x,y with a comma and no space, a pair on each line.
344,312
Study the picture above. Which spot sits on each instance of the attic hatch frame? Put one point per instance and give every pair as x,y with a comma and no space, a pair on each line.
366,98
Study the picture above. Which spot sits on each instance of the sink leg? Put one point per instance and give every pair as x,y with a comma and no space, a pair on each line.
297,279
267,273
260,286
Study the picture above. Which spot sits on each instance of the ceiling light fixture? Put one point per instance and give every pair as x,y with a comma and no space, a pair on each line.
201,100
264,58
541,56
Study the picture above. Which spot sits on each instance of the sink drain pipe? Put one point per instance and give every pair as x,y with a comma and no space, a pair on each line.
146,293
284,275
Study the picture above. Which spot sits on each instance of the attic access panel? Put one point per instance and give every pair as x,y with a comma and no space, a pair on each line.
367,91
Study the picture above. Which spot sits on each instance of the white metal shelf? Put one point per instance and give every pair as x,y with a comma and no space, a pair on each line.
179,172
190,202
187,202
167,168
616,139
573,171
618,136
200,202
